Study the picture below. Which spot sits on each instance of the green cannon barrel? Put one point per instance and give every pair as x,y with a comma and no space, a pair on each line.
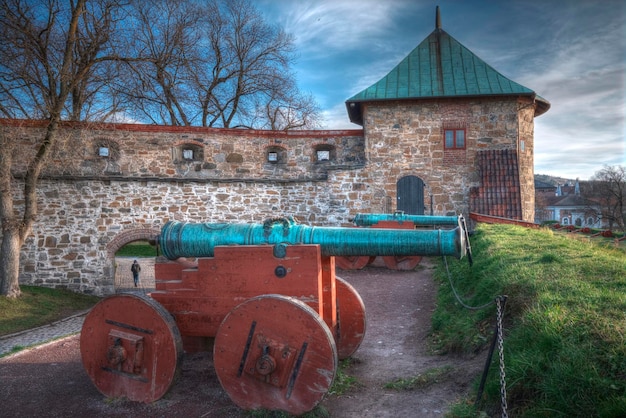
182,239
369,219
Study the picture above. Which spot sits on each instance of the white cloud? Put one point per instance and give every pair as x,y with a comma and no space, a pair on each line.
571,53
328,26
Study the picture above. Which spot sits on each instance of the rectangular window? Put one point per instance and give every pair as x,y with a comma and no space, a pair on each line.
103,151
323,155
454,138
272,157
188,154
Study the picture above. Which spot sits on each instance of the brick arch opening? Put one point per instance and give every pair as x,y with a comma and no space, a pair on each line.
120,266
130,235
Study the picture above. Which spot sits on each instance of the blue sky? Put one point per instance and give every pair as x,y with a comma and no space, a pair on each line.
571,52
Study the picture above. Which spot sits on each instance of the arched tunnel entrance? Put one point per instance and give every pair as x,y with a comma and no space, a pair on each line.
134,244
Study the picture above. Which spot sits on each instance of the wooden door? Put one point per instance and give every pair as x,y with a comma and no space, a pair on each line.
410,195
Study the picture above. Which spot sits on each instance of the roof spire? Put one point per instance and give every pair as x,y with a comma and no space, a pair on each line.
437,18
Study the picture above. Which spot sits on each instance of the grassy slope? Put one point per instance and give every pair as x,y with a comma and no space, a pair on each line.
40,306
565,321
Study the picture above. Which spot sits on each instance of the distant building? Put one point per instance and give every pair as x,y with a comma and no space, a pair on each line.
568,204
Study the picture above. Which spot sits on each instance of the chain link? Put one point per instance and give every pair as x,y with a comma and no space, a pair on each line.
499,302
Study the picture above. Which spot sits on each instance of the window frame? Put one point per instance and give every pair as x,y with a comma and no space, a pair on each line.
322,155
322,149
275,155
106,149
272,156
185,153
455,145
179,151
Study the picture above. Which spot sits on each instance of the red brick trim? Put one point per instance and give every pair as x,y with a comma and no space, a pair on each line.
136,127
130,235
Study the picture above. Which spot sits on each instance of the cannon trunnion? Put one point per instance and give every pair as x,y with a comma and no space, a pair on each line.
267,297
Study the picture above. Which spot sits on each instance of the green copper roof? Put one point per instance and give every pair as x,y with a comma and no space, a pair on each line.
440,67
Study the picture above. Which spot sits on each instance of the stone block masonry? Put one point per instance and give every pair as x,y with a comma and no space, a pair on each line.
92,203
110,184
82,226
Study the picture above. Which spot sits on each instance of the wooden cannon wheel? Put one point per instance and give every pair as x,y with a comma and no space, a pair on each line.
350,319
275,352
404,263
355,262
131,347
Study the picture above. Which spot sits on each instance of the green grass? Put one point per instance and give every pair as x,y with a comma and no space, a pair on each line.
565,321
137,249
317,412
420,381
343,381
39,306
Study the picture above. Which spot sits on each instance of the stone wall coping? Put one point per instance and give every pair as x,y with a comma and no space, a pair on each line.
136,127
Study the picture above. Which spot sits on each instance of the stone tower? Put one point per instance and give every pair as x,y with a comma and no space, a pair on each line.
445,132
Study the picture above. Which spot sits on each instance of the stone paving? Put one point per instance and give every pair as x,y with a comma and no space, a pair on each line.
40,335
72,325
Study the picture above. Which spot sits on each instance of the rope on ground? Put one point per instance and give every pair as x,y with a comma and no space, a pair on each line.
456,295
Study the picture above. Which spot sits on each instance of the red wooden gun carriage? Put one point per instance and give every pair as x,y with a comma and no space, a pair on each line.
265,297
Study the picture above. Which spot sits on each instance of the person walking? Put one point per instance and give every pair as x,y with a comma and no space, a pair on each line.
135,268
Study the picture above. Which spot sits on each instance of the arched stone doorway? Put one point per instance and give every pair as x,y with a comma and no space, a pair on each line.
120,266
410,195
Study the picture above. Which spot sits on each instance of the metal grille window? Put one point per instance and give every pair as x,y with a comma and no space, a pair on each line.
323,155
454,138
276,155
106,149
188,152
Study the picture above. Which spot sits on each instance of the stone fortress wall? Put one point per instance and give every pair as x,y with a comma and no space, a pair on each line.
110,184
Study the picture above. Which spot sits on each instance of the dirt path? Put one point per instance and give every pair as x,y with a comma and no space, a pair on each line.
399,306
50,381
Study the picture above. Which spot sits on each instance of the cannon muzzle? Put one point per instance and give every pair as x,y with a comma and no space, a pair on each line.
370,219
183,239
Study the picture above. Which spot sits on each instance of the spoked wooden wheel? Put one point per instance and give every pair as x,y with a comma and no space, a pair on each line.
351,321
131,347
356,262
275,352
402,262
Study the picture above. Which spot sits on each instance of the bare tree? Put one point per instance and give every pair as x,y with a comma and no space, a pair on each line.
283,109
157,81
49,51
610,192
186,62
213,63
